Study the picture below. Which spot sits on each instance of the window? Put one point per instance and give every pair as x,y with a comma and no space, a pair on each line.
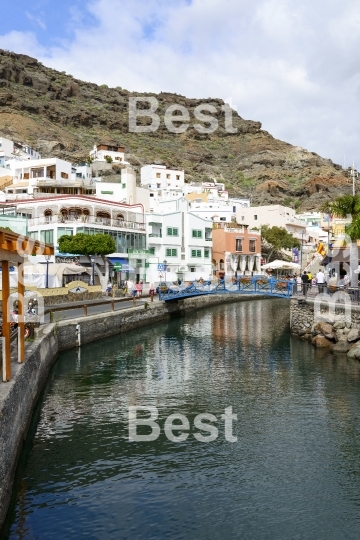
223,219
47,236
255,217
158,186
197,233
171,252
158,175
64,175
48,215
172,231
178,177
234,209
152,251
123,186
64,230
252,246
238,244
242,218
195,253
168,176
206,253
151,194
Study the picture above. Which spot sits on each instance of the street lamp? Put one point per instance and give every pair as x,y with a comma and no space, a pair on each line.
47,259
165,263
92,259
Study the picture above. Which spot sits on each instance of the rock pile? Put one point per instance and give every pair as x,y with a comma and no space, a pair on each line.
339,332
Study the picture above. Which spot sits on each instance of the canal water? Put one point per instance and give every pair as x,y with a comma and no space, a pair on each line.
293,473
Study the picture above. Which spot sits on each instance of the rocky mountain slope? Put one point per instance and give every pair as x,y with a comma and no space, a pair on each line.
62,116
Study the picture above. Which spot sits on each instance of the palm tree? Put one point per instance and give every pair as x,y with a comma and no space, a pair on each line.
348,206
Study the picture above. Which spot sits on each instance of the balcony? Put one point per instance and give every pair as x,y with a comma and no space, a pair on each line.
87,220
151,235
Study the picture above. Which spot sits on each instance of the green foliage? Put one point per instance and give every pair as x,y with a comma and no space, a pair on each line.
292,203
278,237
344,206
85,244
109,159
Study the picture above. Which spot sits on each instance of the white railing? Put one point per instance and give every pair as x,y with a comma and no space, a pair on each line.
87,220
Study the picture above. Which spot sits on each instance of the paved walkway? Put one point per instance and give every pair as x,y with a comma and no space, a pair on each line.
72,310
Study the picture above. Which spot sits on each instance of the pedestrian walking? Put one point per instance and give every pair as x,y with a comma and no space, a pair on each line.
152,291
305,282
299,283
141,287
130,287
108,288
138,289
320,280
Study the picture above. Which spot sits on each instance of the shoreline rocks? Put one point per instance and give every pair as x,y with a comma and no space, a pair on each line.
337,330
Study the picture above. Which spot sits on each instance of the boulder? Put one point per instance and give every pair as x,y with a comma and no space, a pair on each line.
321,342
326,329
354,352
339,335
339,325
341,346
353,335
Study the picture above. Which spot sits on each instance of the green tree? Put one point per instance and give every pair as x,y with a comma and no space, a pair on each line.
86,244
278,238
348,206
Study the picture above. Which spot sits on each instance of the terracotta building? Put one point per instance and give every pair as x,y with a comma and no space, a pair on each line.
236,250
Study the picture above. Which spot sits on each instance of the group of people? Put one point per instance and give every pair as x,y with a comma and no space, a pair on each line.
135,289
330,281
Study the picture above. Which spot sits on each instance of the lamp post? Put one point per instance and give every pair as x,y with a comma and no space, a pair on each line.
47,259
165,263
92,259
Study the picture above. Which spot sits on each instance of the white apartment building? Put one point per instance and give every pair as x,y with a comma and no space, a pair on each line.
51,217
158,177
182,239
52,176
106,152
20,151
162,183
272,215
125,191
6,150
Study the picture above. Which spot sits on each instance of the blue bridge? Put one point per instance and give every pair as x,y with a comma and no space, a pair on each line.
255,285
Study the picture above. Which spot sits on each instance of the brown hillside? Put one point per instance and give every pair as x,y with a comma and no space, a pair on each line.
62,116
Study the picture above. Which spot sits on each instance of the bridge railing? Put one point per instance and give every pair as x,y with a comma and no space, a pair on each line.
242,284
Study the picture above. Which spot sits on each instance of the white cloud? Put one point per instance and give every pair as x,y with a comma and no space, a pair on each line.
291,65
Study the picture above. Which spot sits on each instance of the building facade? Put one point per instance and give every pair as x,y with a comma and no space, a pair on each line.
182,239
236,250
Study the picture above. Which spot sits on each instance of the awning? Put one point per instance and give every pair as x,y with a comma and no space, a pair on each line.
125,266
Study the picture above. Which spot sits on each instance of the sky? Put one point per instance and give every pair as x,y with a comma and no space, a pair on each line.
294,66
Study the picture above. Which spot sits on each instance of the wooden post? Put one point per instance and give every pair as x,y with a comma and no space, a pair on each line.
112,306
5,320
85,310
21,311
134,301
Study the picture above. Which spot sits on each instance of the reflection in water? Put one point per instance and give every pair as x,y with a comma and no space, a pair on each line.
294,472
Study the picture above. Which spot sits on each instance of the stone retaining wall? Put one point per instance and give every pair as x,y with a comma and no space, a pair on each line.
336,326
18,397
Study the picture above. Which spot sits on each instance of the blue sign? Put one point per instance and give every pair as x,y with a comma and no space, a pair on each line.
161,267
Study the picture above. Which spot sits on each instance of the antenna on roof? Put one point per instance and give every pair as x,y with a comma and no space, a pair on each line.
354,175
